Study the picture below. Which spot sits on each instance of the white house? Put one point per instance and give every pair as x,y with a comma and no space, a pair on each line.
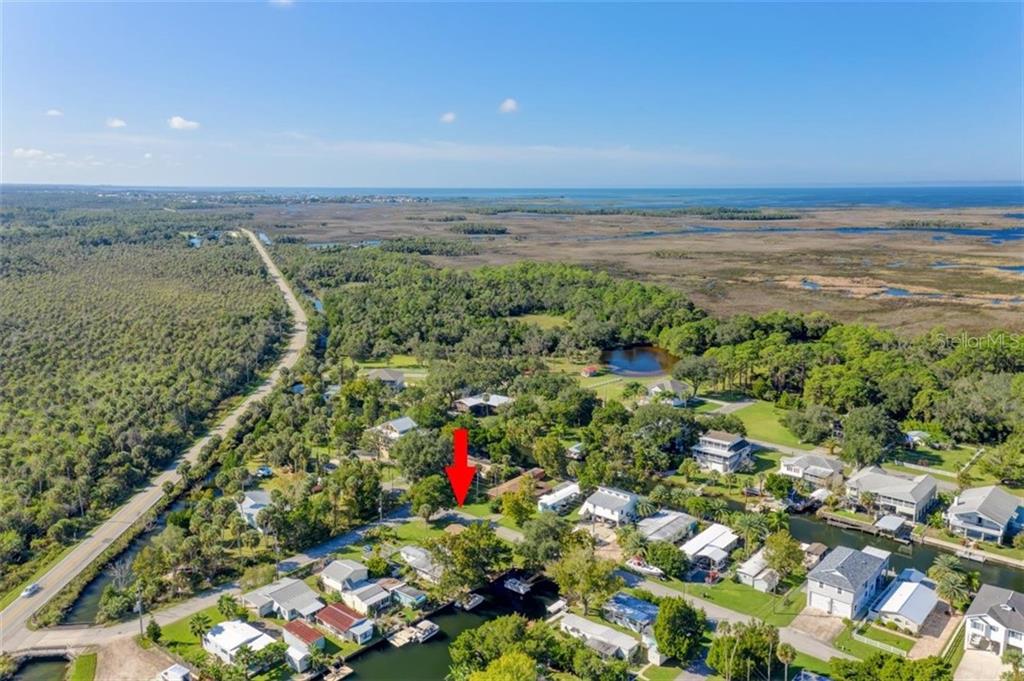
301,639
722,452
288,598
341,575
252,503
907,497
755,572
484,404
560,498
606,641
907,601
711,547
670,526
845,582
669,391
366,598
423,564
987,513
390,432
612,505
225,639
995,621
818,471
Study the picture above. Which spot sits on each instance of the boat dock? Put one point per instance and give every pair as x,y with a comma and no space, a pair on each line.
417,633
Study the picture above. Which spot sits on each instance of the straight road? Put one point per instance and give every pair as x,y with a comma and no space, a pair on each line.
14,631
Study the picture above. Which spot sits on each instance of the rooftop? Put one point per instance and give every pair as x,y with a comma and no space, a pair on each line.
666,525
339,616
1003,605
877,481
846,568
992,502
611,499
303,631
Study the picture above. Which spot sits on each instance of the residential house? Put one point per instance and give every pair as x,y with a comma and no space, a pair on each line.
907,497
670,526
907,601
408,596
668,391
390,432
366,598
301,639
995,621
604,640
817,471
484,404
176,672
755,572
423,564
346,623
392,378
988,513
722,452
710,549
342,575
226,638
845,582
612,505
813,553
630,612
288,598
252,503
560,498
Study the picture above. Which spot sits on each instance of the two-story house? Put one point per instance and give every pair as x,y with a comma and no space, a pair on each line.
987,513
612,505
722,452
906,497
342,575
844,583
821,472
995,621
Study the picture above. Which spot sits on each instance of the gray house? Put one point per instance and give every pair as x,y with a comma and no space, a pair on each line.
845,582
906,497
288,598
392,378
995,621
988,513
252,503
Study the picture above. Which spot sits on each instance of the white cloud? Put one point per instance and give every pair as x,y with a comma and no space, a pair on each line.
448,117
508,105
282,3
54,113
147,155
116,123
31,154
179,123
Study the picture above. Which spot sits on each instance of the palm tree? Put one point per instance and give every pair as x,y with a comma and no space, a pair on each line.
199,624
687,469
227,605
244,658
867,500
776,520
952,588
786,654
645,507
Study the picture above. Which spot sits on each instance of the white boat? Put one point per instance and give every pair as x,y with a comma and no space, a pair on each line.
644,568
426,630
517,585
470,602
557,607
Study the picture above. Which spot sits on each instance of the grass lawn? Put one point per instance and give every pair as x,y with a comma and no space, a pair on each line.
608,386
655,673
393,362
854,515
544,321
83,668
845,641
177,638
777,609
876,633
951,460
764,422
998,549
811,664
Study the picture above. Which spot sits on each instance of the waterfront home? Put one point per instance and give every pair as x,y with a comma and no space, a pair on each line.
252,503
630,612
988,513
530,477
422,563
560,498
288,598
995,621
907,497
390,432
670,526
668,391
484,404
341,575
907,601
755,572
346,623
722,452
817,471
301,638
845,582
606,641
710,549
366,598
609,504
408,596
392,378
226,638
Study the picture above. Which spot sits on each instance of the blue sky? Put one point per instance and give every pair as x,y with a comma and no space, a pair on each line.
559,95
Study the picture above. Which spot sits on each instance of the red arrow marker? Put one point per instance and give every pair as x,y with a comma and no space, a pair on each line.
460,475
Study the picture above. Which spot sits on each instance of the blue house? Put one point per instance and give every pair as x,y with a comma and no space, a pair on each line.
409,596
630,612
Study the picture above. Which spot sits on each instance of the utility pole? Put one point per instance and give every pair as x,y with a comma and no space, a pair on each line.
138,604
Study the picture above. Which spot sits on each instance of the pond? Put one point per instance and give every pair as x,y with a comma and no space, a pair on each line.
640,360
42,669
431,660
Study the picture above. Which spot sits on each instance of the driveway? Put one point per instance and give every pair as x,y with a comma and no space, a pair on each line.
817,624
978,665
935,632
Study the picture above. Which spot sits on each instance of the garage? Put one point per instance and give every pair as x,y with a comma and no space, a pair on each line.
821,602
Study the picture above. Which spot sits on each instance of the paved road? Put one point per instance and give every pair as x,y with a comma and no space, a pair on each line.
14,633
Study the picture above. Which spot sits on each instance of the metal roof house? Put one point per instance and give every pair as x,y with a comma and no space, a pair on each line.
722,452
818,471
907,497
755,572
995,620
252,503
421,561
366,598
289,598
560,498
483,404
341,575
845,582
670,526
907,601
226,638
712,546
669,391
606,641
614,505
987,513
630,612
346,622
